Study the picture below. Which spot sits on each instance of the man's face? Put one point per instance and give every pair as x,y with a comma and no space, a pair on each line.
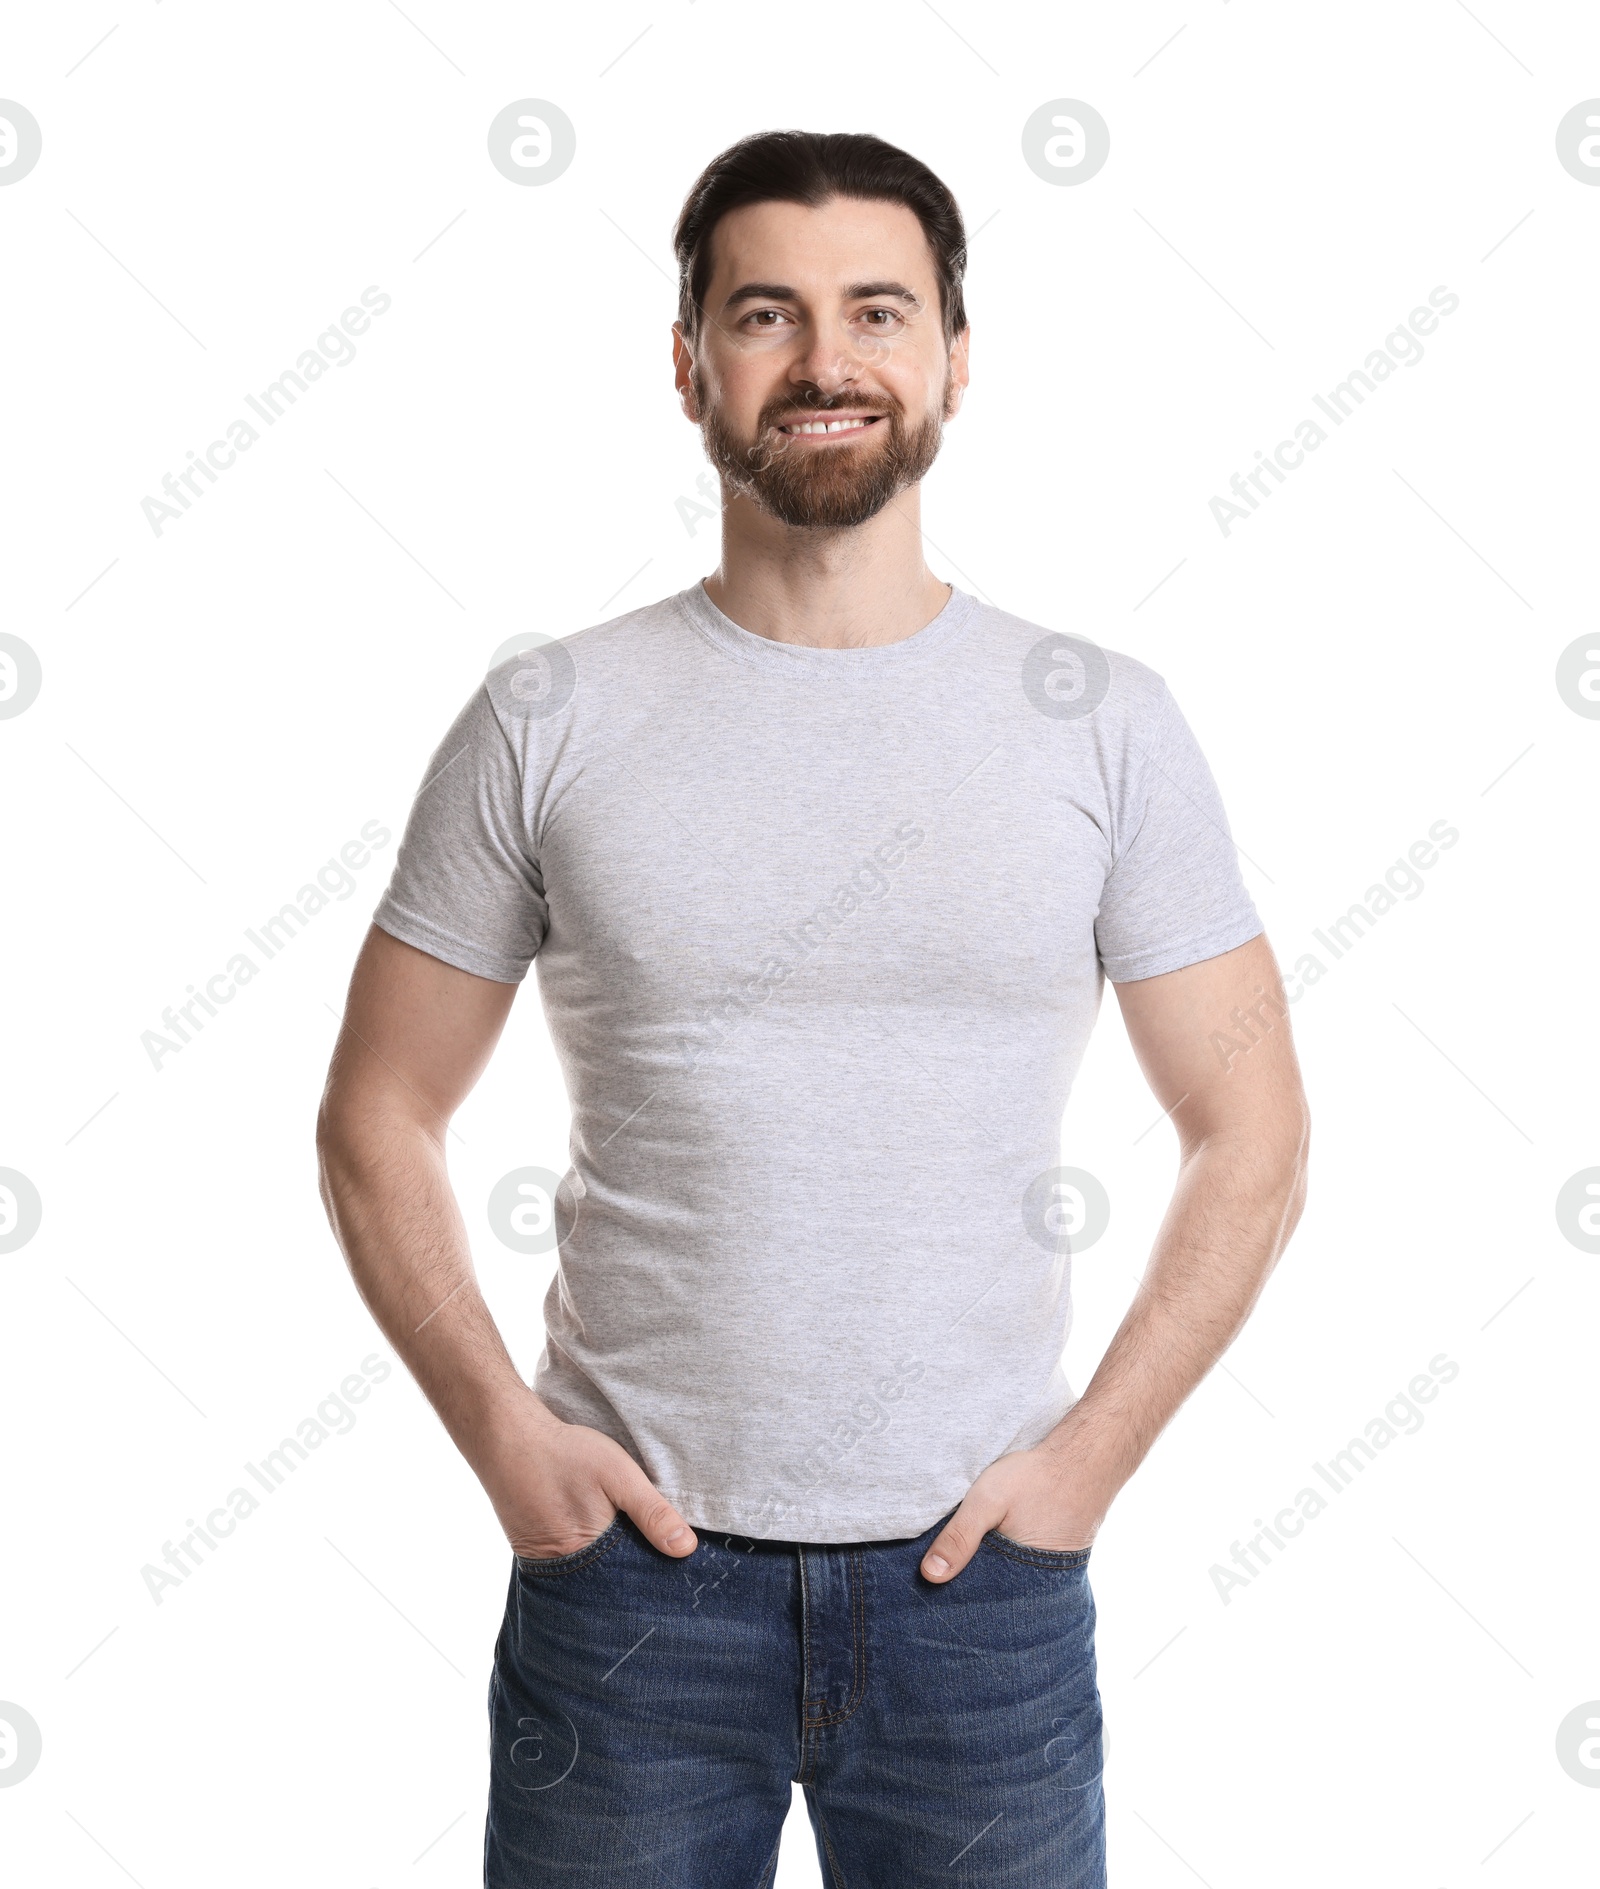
822,318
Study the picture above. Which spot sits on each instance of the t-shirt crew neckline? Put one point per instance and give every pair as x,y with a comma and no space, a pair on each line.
705,617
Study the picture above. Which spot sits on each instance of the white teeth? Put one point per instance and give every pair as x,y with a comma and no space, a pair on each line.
827,426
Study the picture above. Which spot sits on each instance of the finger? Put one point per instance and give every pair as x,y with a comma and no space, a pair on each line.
658,1521
957,1542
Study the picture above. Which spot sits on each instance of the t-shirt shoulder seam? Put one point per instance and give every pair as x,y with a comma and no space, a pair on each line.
511,746
1150,753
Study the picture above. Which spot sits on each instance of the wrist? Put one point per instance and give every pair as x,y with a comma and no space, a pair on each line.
1087,1454
505,1430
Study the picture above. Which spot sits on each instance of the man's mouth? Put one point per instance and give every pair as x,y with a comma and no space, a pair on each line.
832,426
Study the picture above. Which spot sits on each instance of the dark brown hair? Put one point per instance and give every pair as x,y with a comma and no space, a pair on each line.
809,167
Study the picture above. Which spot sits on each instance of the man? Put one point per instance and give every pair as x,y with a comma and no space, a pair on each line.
823,864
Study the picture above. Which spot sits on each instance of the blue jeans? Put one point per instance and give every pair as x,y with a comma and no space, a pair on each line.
648,1715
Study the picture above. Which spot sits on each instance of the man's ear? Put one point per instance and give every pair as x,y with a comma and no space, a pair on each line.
960,371
682,371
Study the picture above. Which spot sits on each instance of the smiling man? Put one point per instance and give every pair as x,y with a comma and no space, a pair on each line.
824,865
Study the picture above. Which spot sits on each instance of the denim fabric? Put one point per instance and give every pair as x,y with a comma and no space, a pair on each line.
648,1716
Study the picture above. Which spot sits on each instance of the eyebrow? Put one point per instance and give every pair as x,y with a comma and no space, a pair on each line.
781,292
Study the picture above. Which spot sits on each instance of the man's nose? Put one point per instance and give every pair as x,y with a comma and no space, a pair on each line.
831,363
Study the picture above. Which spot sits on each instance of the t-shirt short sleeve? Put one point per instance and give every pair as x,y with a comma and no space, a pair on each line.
1174,894
466,885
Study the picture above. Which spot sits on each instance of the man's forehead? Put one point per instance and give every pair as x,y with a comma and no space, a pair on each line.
837,245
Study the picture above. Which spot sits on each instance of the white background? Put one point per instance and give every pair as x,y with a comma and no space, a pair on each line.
225,705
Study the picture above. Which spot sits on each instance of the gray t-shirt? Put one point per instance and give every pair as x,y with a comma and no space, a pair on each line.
821,935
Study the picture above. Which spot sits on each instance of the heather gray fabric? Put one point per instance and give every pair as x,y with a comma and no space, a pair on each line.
821,935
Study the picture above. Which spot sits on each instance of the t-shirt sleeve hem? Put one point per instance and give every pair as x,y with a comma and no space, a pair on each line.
1155,962
411,929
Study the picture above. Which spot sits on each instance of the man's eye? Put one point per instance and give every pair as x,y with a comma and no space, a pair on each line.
760,313
893,314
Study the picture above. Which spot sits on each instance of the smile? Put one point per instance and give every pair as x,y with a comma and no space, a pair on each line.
831,429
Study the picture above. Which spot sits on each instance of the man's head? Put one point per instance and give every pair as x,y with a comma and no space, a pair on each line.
820,286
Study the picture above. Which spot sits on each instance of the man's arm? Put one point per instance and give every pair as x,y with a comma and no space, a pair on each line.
417,1035
1243,1131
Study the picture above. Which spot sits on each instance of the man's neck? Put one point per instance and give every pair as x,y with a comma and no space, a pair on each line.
830,589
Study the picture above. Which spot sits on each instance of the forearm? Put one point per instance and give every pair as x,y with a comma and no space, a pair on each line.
389,1200
1232,1212
418,1033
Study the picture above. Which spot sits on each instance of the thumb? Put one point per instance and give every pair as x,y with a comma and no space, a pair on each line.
957,1542
658,1521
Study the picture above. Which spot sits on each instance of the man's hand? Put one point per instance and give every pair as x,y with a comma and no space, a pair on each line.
1040,1497
555,1486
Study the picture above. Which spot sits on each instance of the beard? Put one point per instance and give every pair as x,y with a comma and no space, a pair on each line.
830,488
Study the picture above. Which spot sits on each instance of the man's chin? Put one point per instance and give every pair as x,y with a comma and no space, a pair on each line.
816,512
817,491
824,497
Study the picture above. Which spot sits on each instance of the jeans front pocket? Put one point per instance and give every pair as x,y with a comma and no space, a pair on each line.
1064,1558
580,1557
